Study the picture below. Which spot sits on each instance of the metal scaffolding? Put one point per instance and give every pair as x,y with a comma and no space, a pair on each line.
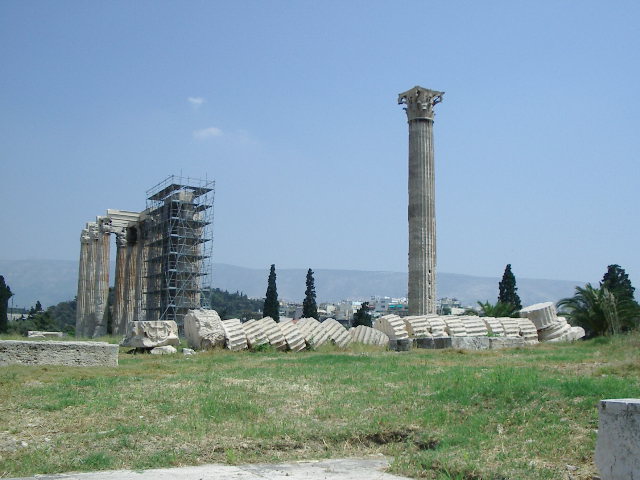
178,226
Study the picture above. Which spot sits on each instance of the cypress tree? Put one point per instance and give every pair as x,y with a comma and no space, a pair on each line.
508,290
309,306
362,316
5,295
617,282
271,306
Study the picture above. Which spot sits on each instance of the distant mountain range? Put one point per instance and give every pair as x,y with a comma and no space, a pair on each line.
54,281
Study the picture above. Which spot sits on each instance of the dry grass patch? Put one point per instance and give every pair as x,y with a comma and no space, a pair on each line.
518,414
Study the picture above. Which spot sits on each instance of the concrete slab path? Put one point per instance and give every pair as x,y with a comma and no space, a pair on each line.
333,469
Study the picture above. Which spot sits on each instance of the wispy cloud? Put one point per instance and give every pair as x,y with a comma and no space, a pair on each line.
207,133
196,102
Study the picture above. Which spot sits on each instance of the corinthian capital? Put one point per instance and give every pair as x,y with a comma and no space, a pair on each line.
419,102
84,236
121,239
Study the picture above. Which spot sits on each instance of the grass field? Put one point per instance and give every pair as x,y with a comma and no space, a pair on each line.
517,414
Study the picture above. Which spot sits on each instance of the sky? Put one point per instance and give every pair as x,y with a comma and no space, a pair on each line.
291,107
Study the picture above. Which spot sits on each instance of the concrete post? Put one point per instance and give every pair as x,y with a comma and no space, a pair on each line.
102,277
618,444
419,103
81,297
120,285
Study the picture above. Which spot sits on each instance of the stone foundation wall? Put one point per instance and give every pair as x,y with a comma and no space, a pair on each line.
75,354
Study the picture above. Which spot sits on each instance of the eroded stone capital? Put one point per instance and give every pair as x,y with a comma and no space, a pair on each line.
419,102
93,230
121,239
104,224
84,236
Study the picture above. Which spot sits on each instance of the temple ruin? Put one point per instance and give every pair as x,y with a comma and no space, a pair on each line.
162,259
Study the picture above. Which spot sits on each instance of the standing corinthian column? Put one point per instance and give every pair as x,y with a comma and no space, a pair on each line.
81,297
102,277
422,216
120,284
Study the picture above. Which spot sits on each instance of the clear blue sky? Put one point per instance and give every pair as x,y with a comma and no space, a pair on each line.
291,108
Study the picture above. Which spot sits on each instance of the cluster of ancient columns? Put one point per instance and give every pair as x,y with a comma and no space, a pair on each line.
93,279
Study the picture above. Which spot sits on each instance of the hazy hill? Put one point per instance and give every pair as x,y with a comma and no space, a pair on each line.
53,281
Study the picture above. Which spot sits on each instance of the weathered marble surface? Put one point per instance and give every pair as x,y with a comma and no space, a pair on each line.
417,326
235,338
151,334
166,350
313,332
36,333
255,334
75,354
203,329
337,333
391,325
419,103
541,314
273,332
368,336
618,445
293,336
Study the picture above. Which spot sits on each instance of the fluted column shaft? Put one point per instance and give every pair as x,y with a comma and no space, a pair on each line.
81,297
131,281
141,280
90,297
419,103
120,284
103,249
422,219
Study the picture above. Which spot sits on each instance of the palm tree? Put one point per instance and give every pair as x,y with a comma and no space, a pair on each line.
599,312
498,310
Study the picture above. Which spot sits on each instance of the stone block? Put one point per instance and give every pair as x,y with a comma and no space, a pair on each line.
151,334
454,326
437,327
400,344
368,336
474,326
313,332
511,326
203,329
555,331
393,326
417,326
255,334
75,354
273,333
37,334
293,336
494,326
497,343
618,445
471,343
166,350
433,343
541,314
528,331
235,338
337,333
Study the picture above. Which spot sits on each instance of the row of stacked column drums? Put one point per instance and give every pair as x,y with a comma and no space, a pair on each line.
540,323
310,333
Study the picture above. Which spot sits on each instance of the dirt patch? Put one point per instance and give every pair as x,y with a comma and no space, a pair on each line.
400,436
